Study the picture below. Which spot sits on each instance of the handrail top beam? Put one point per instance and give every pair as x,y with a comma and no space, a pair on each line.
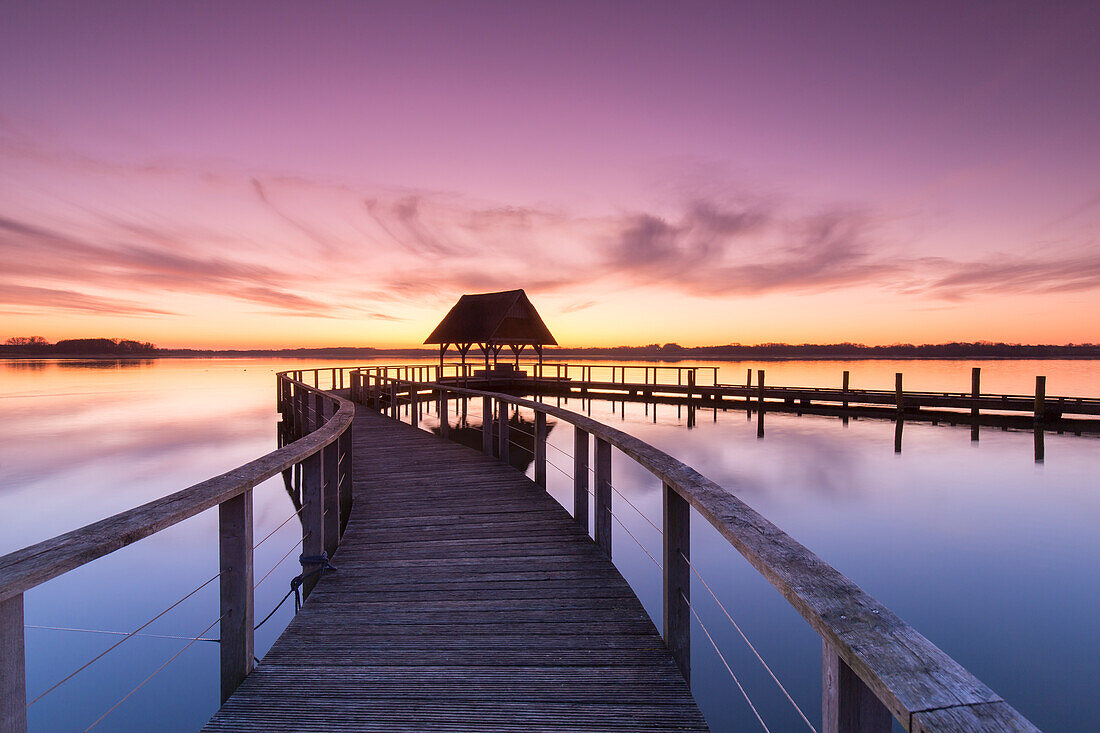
30,566
905,670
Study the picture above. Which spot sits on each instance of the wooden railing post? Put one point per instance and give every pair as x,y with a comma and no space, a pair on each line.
303,411
330,458
503,442
313,508
346,474
414,406
847,704
540,448
394,410
444,418
899,394
237,597
677,579
487,425
13,666
603,495
318,410
580,477
844,388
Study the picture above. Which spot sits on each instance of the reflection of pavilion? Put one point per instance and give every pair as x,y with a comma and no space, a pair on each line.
521,434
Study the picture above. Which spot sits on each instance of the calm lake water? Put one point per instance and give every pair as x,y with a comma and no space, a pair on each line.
992,556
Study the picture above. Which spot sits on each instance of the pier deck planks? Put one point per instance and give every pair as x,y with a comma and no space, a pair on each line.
466,599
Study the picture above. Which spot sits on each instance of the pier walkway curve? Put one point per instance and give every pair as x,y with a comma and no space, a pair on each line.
466,598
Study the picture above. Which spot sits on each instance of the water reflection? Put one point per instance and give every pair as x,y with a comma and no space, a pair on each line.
986,552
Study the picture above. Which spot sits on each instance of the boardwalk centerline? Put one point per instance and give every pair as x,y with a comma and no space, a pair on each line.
466,599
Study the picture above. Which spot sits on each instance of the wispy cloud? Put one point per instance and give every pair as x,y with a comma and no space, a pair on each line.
294,246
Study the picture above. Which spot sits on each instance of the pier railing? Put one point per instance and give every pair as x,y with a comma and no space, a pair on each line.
874,666
314,452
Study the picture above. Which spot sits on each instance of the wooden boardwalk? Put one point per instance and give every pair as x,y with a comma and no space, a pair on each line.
467,599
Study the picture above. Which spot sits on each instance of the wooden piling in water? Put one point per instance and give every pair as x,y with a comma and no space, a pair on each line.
760,404
1040,399
975,393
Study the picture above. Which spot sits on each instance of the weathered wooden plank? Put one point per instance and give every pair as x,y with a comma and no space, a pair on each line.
902,669
993,717
467,599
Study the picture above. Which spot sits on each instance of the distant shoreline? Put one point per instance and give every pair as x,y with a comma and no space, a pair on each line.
373,354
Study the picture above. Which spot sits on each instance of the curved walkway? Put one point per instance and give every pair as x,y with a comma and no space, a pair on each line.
467,599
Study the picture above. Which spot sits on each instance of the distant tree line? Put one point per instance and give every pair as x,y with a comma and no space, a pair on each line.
36,345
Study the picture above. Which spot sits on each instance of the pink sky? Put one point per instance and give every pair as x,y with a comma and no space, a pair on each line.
211,174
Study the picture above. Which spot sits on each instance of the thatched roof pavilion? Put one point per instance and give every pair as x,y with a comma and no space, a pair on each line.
492,321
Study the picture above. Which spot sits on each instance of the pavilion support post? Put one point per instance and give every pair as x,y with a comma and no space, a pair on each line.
603,495
677,579
237,596
487,425
13,666
847,704
313,507
504,442
540,448
580,476
330,456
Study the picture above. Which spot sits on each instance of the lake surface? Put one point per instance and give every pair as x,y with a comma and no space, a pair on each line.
994,557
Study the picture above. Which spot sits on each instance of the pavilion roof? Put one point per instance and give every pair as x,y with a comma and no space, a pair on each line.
507,317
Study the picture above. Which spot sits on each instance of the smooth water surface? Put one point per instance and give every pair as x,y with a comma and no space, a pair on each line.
993,557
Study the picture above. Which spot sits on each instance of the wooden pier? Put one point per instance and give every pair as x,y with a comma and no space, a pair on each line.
465,598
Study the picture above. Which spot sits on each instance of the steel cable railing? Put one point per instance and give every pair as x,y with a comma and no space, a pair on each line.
121,641
725,663
155,672
749,643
